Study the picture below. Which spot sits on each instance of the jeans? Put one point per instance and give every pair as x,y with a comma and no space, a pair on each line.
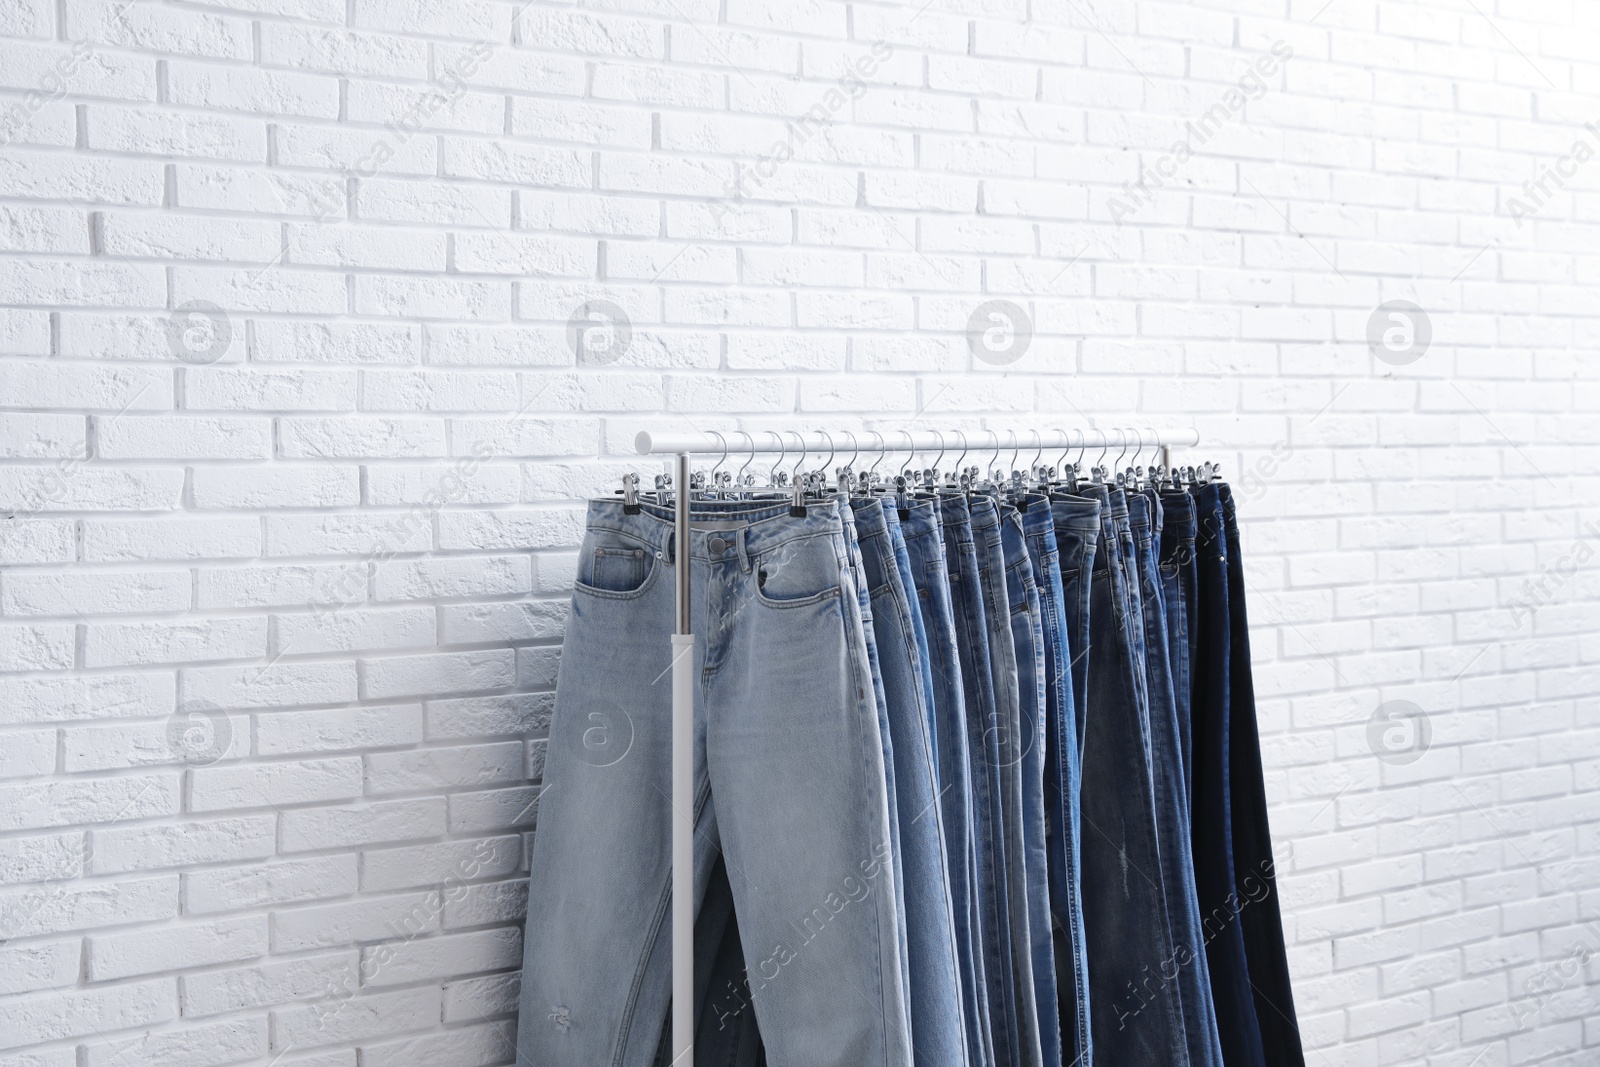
930,574
1260,920
782,686
937,1032
1077,534
1028,635
1213,835
1136,1010
993,935
1172,814
990,549
1062,777
1178,583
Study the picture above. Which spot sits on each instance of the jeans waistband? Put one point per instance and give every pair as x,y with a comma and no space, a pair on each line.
1139,516
753,525
1079,513
1178,506
954,513
985,516
922,520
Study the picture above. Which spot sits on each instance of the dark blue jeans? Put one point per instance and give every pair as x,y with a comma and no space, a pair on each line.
925,551
1178,583
1211,802
1260,920
993,935
1136,1009
1077,528
1172,814
1062,778
1028,636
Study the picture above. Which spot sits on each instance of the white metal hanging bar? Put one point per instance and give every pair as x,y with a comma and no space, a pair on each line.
681,446
655,444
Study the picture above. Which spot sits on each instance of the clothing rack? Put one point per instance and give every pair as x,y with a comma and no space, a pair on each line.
740,442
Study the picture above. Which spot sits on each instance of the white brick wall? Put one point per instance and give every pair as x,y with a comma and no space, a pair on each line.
293,448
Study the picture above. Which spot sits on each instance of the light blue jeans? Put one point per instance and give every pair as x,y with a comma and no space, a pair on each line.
789,787
930,574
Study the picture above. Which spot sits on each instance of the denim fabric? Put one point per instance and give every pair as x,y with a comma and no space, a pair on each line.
993,935
783,688
1213,835
1260,920
852,547
1172,817
1076,523
937,1032
1028,635
1178,583
1136,1010
925,549
988,543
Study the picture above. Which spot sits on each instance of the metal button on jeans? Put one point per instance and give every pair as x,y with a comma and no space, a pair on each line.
718,545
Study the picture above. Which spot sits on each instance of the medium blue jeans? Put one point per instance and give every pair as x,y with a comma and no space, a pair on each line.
1172,808
1212,803
937,1031
1135,1004
988,542
930,574
1028,635
783,707
993,934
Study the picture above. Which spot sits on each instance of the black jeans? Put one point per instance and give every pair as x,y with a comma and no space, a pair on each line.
1220,903
1260,920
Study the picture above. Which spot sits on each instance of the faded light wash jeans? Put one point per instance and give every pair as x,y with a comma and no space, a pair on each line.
789,788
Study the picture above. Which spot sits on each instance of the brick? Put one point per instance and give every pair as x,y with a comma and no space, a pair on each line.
370,919
386,821
275,784
445,671
284,882
232,1041
80,1013
180,844
299,732
185,945
304,978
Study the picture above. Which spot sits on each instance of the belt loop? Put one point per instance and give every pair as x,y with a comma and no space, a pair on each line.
744,555
672,547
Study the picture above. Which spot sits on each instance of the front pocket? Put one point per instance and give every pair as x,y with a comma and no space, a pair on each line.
612,562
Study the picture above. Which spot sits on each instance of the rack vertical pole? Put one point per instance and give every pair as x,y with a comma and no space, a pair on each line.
682,781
